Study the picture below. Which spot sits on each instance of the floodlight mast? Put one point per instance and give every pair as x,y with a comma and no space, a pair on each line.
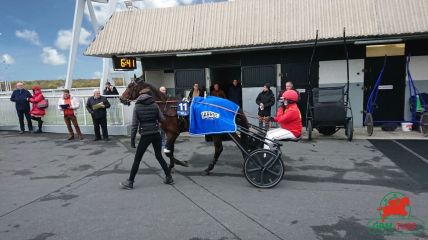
75,35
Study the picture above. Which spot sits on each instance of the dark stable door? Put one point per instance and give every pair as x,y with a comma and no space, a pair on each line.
389,104
297,73
186,78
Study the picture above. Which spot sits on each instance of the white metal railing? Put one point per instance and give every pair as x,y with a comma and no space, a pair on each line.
73,91
117,114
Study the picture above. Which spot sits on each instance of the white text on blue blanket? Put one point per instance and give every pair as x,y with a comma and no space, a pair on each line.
210,115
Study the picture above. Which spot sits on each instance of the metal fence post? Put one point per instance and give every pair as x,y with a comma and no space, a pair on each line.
123,115
84,112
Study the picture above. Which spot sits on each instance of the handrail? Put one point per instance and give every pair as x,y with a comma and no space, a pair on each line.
117,114
3,97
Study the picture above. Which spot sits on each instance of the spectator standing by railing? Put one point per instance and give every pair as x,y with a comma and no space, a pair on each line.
96,106
20,96
218,92
110,90
288,86
265,100
68,105
235,93
163,90
39,104
114,102
195,92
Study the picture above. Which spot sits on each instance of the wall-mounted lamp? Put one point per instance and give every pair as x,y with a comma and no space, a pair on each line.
397,40
192,54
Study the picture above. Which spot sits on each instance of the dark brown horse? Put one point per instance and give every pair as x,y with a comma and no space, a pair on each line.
175,125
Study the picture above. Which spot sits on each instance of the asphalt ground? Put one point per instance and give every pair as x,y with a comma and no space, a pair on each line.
51,188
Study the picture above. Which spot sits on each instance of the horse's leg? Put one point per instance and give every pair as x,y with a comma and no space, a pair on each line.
167,150
218,144
170,153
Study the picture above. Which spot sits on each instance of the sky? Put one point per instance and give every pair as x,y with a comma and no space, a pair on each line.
35,37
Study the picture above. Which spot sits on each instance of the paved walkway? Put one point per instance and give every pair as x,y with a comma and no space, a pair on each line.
54,189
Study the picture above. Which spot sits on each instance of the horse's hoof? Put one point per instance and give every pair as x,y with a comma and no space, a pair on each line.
182,163
205,173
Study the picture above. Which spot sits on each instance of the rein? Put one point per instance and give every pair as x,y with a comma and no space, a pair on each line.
221,107
210,104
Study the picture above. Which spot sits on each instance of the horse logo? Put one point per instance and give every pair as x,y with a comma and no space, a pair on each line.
395,216
394,205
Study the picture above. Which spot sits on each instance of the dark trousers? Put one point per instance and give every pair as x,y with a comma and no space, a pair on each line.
145,141
262,123
72,119
21,114
39,122
100,122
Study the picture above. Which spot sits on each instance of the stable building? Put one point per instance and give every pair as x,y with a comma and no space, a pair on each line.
271,41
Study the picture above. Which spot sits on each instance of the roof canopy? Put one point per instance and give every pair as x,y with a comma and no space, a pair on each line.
252,23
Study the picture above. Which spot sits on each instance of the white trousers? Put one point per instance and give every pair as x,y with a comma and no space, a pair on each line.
278,134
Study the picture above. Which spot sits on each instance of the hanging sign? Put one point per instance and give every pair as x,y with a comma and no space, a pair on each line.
124,63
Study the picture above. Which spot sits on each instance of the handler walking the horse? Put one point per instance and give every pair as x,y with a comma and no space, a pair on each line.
146,119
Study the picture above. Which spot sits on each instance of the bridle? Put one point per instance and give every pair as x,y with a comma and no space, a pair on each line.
135,82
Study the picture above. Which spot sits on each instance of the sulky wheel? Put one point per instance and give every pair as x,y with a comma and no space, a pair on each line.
349,129
309,129
263,168
369,123
424,124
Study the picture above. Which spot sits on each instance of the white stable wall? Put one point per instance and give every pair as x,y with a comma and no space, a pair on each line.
159,78
333,73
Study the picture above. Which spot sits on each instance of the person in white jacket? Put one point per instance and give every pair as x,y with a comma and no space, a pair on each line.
68,104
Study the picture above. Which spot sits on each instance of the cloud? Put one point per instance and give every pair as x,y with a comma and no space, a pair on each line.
161,3
63,40
97,75
29,35
7,59
102,10
52,57
187,1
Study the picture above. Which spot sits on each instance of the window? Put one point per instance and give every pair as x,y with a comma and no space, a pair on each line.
386,49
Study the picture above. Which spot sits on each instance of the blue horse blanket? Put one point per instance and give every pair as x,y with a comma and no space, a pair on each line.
212,115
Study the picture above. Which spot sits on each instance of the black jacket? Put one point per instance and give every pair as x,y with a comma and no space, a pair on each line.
100,112
108,91
201,94
235,94
20,97
268,99
146,117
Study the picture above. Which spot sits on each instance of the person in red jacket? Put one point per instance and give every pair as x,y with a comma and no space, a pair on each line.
289,119
36,112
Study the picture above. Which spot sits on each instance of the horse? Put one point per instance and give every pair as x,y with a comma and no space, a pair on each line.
174,125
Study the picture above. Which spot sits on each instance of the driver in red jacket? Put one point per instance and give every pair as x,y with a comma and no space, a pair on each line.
289,119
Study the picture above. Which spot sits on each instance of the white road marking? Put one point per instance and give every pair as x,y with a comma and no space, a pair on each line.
411,151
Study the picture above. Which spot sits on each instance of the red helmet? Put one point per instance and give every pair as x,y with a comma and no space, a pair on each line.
36,88
291,95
